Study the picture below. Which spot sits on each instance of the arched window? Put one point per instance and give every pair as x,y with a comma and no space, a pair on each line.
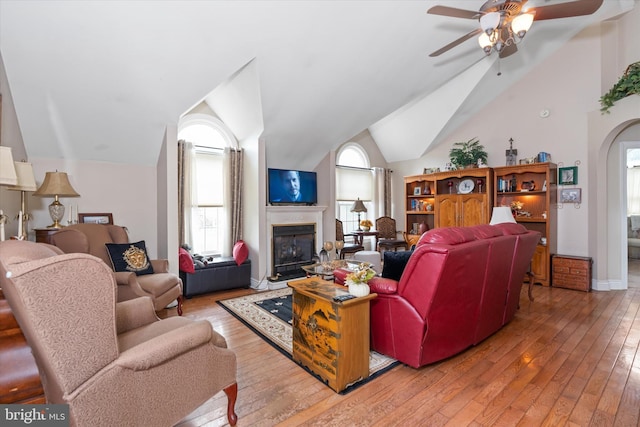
354,180
209,137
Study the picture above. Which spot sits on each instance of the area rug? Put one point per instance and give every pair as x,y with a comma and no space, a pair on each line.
269,315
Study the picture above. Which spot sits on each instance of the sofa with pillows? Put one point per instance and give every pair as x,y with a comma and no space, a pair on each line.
459,286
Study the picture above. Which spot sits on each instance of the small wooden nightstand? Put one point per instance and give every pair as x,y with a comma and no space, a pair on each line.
43,235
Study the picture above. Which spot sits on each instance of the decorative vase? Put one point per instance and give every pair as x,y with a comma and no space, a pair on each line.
366,228
358,289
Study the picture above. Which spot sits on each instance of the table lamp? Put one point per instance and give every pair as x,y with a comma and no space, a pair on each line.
26,182
358,207
501,214
56,184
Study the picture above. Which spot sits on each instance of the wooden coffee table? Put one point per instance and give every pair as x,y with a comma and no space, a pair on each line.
330,338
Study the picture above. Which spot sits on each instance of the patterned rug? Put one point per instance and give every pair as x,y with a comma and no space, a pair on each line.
269,315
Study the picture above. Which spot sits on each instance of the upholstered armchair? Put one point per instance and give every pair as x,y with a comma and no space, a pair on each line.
161,286
114,364
349,247
388,235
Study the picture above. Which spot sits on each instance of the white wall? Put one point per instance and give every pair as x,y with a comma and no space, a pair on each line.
127,191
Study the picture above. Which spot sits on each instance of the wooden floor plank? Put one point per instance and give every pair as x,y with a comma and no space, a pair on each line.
568,358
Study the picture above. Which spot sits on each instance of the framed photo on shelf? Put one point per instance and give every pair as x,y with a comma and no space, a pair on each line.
571,195
417,191
95,218
568,176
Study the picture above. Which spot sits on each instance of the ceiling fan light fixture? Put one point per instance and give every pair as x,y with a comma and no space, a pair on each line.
489,22
521,24
485,43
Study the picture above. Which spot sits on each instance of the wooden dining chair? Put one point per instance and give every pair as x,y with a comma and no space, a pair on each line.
349,247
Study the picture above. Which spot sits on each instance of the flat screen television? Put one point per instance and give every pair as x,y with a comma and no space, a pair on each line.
291,187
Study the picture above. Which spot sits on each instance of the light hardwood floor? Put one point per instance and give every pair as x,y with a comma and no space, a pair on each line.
568,358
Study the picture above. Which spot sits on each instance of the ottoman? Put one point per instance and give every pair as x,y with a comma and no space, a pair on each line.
372,257
218,275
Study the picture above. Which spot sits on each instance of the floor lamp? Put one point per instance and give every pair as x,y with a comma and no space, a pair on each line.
7,177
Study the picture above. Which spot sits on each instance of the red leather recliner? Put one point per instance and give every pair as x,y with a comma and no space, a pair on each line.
460,285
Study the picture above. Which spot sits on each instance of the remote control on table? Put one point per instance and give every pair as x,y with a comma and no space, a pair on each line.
345,297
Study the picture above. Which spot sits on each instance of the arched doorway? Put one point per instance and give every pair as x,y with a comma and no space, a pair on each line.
607,237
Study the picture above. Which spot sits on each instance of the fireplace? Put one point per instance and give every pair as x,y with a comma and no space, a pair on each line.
278,216
292,247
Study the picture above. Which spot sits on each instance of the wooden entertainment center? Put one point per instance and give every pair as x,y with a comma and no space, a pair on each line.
466,197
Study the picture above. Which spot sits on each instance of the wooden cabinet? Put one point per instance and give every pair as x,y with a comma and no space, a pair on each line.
420,202
461,210
533,186
330,338
454,198
43,235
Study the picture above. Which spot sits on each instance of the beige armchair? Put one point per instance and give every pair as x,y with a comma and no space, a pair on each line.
162,287
114,364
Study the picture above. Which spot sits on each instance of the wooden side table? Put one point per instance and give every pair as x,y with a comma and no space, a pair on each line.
360,235
330,338
43,235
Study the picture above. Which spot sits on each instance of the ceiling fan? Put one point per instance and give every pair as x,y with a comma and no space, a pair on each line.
503,23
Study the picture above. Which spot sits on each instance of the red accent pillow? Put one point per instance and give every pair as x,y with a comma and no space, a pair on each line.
185,261
240,252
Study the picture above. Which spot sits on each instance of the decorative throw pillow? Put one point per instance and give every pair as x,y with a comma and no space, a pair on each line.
394,264
185,261
130,257
240,252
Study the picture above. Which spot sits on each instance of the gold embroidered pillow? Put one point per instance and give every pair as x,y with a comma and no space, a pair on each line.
130,257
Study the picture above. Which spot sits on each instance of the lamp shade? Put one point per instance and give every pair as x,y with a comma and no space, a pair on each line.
501,214
26,179
521,24
489,22
56,184
7,169
358,206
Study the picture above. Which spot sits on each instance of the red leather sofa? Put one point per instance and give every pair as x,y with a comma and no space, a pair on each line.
460,285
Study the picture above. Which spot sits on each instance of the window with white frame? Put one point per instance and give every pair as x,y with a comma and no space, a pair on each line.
354,180
209,137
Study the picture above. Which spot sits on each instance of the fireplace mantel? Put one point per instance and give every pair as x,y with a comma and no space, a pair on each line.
285,215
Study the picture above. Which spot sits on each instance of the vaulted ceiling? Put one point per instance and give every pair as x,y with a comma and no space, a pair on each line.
100,80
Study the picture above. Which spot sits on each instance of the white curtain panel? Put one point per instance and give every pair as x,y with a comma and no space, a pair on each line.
379,193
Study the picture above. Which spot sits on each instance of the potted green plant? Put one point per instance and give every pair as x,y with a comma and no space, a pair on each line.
466,154
628,85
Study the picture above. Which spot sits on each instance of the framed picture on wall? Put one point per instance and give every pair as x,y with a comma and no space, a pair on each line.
95,218
568,176
571,195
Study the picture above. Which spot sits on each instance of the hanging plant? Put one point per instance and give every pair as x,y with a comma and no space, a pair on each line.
629,84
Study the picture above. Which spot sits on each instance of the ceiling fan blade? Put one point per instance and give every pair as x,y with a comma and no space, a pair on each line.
456,42
508,50
566,10
453,11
